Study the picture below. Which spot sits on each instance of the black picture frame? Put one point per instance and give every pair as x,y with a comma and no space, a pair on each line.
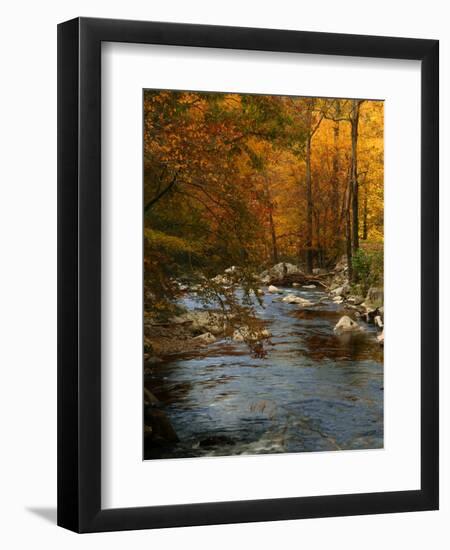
79,274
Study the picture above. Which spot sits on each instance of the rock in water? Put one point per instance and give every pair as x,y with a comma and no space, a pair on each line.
244,333
161,429
257,292
380,338
378,321
150,399
346,324
293,299
274,290
290,299
309,286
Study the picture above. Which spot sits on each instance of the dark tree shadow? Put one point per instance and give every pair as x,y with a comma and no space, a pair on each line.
48,514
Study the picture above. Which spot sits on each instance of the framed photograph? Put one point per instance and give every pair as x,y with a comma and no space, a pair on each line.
248,275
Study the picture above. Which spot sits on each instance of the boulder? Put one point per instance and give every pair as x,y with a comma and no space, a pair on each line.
378,321
338,299
150,399
369,313
180,319
274,290
341,264
284,268
202,321
205,338
375,296
380,338
355,300
346,324
264,277
279,271
161,428
258,292
293,299
342,290
309,286
244,333
153,360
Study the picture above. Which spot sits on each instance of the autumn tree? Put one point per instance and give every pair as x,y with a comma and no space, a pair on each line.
250,180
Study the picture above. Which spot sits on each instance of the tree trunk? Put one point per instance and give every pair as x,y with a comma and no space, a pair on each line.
309,198
365,226
274,237
354,174
273,234
309,207
348,232
318,244
335,178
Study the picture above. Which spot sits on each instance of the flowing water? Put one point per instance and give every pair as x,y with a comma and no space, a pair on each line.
314,391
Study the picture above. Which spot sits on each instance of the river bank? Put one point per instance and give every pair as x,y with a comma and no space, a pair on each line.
196,326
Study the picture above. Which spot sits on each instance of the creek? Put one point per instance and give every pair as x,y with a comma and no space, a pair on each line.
314,391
